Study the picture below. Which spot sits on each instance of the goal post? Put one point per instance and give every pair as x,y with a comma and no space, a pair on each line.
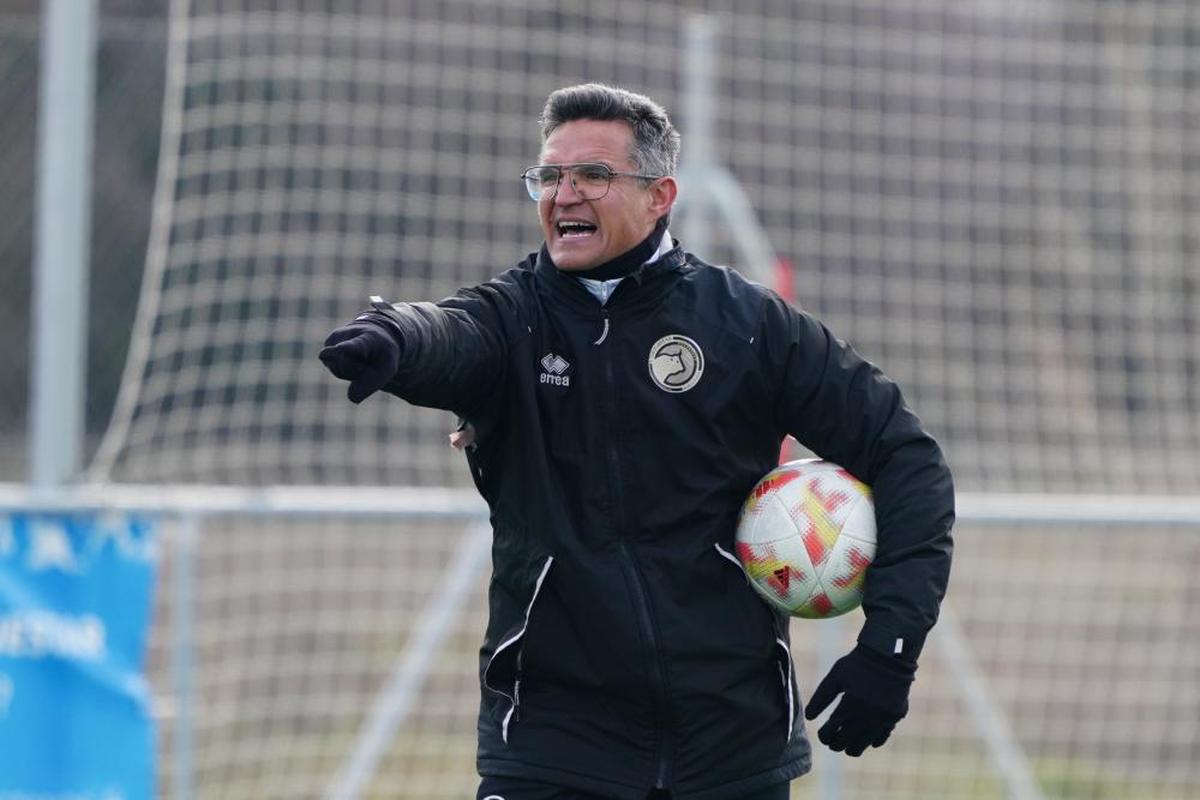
57,354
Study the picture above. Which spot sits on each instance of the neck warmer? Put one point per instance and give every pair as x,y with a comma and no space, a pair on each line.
623,264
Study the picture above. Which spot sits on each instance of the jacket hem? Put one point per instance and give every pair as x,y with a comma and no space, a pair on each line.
505,768
743,786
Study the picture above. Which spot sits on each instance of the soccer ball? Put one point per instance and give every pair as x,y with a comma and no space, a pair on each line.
806,536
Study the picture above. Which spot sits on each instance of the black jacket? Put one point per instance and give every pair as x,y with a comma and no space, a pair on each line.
615,446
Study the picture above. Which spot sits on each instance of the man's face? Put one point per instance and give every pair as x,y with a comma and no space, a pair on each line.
621,219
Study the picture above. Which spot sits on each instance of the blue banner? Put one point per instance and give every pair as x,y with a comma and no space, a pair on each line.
75,598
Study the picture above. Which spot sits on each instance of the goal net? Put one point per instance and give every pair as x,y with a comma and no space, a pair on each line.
997,202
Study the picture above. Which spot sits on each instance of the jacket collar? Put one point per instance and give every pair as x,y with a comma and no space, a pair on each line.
627,262
646,283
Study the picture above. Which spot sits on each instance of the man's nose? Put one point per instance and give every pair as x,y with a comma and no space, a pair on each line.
565,194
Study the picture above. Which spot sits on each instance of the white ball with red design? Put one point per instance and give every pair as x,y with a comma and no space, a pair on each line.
806,536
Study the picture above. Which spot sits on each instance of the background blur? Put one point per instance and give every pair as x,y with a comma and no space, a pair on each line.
130,63
997,202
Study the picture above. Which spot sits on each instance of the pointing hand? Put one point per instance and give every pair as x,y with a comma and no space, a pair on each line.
363,352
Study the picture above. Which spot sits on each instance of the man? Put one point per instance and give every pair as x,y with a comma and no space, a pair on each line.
624,397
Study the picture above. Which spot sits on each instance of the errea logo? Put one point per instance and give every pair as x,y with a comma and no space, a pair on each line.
554,370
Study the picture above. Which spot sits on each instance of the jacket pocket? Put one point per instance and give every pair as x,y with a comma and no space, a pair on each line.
783,651
502,675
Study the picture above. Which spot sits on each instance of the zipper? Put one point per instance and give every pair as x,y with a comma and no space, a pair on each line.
604,332
658,675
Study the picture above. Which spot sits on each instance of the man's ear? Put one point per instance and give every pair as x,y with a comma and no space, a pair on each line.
662,196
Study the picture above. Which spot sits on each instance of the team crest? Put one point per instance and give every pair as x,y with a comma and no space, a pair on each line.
676,363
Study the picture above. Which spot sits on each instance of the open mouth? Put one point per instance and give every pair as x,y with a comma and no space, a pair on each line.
574,229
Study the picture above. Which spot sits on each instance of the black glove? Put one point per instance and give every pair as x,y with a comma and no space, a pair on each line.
366,352
874,689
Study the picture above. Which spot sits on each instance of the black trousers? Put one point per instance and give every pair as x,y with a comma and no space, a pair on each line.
517,789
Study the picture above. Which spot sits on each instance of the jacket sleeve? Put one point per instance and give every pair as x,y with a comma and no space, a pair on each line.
452,353
846,411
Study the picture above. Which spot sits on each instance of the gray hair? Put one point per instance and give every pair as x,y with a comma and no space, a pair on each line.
655,140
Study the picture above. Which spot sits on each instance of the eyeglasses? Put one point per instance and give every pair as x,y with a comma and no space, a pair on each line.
590,181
